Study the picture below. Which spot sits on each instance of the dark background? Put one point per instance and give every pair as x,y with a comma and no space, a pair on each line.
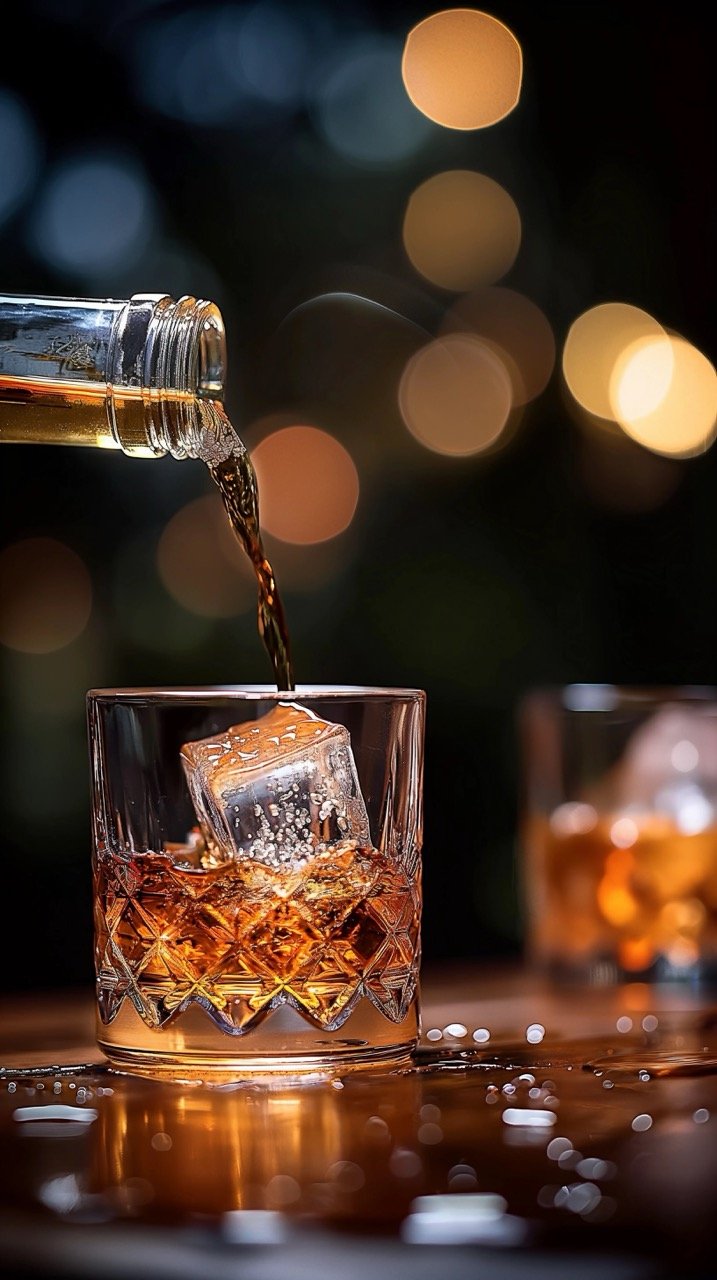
569,555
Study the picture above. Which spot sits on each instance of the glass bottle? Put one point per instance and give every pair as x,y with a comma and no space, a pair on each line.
116,374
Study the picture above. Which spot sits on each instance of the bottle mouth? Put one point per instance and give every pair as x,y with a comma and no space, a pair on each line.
185,351
167,355
212,359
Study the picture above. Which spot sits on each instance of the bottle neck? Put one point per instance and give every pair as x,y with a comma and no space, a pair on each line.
166,357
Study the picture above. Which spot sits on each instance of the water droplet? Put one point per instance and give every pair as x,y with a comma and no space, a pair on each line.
347,1175
404,1163
569,1159
641,1123
594,1168
546,1196
456,1030
430,1135
556,1148
430,1112
282,1190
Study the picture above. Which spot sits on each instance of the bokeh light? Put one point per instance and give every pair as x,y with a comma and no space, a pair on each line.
224,64
594,344
455,396
46,595
95,214
308,485
463,68
182,68
664,395
461,230
272,52
19,153
641,378
340,357
361,109
516,329
201,564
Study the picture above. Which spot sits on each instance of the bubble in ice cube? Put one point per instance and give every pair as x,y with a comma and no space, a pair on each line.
277,790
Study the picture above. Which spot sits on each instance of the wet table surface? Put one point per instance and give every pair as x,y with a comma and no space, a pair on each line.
538,1131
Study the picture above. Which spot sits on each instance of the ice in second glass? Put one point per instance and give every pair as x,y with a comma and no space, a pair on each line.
278,921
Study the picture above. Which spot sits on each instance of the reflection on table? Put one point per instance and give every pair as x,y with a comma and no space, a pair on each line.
531,1116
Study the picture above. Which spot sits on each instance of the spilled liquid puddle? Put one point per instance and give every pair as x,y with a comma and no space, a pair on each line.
598,1142
629,1063
41,1072
591,1055
425,1060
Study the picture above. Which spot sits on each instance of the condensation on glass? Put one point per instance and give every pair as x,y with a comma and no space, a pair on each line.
115,374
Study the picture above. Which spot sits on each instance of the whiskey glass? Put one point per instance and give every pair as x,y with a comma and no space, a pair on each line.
619,832
257,877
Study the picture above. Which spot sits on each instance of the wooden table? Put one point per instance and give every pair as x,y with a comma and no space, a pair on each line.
579,1139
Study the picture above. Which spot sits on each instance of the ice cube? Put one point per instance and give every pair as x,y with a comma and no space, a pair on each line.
670,767
278,790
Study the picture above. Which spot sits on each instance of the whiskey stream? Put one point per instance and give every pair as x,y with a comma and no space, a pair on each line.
231,470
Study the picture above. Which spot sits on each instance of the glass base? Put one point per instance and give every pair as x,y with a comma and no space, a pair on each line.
192,1048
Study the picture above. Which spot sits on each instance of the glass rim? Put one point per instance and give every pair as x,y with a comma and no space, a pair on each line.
599,697
203,694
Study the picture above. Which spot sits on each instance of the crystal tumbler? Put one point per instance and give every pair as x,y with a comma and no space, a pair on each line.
257,886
